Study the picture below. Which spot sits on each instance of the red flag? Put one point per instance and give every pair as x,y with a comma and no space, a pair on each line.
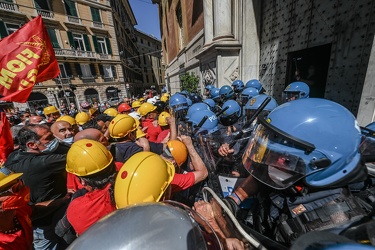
6,140
26,57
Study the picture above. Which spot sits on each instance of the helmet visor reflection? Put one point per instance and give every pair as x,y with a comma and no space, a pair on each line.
276,161
290,96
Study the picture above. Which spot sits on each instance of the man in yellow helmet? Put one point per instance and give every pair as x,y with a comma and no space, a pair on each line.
51,113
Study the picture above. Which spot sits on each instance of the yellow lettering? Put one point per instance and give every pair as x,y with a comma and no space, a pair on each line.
16,66
30,54
23,85
6,78
24,59
32,75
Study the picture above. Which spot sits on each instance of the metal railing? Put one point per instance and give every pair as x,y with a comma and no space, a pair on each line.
97,24
74,19
9,6
45,13
74,53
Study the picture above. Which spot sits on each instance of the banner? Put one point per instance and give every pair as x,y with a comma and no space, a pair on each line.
26,57
6,140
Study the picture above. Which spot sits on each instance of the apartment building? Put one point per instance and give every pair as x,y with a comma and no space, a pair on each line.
83,36
150,56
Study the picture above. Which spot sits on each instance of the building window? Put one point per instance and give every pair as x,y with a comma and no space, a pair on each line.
70,8
107,71
11,28
180,26
78,42
86,70
62,71
95,13
141,40
102,47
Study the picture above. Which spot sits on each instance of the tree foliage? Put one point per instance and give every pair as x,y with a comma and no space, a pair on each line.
189,82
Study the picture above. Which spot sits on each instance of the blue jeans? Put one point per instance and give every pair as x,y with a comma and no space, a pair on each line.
45,238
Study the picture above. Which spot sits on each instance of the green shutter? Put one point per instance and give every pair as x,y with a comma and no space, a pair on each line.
71,40
37,6
53,38
109,48
114,71
3,30
92,69
71,8
95,42
101,70
78,69
95,14
87,42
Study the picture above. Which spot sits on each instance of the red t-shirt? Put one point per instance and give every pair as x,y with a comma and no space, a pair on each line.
162,135
182,181
84,211
152,131
73,182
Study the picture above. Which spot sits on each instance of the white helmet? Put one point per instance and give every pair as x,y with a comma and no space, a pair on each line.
135,115
151,100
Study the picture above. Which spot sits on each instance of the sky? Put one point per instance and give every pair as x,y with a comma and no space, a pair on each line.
147,17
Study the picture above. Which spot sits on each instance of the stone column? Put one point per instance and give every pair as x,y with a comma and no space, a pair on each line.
222,19
208,21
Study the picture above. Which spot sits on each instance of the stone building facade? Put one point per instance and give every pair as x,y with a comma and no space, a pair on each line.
328,44
151,64
85,43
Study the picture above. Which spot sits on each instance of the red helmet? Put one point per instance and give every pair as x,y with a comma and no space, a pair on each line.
123,107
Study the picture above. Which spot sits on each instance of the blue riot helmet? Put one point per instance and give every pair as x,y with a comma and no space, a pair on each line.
371,126
211,103
313,139
214,93
164,89
226,92
247,94
208,87
254,83
254,103
184,93
209,126
232,113
197,107
195,98
189,101
296,90
178,102
238,86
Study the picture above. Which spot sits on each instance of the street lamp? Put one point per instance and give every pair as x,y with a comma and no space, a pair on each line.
54,91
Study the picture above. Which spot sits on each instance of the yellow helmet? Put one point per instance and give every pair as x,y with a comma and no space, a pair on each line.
162,120
166,94
6,177
139,133
82,118
143,178
146,108
67,118
121,126
50,110
111,112
164,98
93,111
86,157
178,151
136,104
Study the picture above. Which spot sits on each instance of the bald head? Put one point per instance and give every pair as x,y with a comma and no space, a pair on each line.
91,134
62,130
35,119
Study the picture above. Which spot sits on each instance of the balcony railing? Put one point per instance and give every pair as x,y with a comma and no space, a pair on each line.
75,53
108,79
104,56
74,19
97,24
65,80
9,6
87,79
45,13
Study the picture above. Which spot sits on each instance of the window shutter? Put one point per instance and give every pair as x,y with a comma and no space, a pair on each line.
87,42
68,69
101,70
92,69
3,30
114,71
95,14
109,48
95,42
78,69
53,38
71,8
71,40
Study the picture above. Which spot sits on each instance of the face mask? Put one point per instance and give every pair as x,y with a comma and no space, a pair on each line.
40,112
27,120
51,146
69,140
